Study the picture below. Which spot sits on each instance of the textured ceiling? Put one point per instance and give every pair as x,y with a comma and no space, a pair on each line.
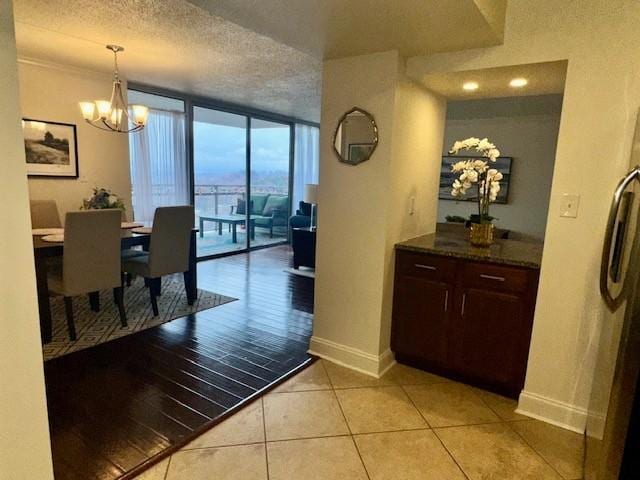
172,44
341,28
544,78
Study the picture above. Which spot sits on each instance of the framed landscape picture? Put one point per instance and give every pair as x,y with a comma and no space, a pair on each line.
502,164
51,148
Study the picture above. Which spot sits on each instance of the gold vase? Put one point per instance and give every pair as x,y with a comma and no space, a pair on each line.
481,234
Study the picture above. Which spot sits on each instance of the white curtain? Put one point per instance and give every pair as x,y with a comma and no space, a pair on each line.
306,160
159,173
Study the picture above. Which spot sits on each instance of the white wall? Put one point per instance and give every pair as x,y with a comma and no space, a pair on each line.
525,128
52,93
25,451
600,39
414,173
364,208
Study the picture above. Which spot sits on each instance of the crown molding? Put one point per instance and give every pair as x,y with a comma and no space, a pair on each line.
64,68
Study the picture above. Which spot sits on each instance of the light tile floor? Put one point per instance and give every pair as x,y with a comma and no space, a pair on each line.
331,423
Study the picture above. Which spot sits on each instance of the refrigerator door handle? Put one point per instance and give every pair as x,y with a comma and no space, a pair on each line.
613,303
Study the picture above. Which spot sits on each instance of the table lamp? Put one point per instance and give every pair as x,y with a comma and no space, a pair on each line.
311,196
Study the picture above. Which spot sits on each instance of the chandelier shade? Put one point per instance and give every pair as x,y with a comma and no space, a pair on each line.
115,115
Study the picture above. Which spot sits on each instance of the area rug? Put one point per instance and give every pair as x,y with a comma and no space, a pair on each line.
302,272
94,328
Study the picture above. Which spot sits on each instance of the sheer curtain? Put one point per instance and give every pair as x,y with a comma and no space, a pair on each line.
159,173
306,157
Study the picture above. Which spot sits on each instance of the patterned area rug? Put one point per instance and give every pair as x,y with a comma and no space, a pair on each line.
94,328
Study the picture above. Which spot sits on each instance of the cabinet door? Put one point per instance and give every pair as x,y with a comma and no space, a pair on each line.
487,337
420,319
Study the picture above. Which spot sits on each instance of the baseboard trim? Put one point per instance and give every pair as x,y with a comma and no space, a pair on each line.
353,358
560,414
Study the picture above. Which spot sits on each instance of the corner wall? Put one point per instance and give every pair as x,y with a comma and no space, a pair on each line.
52,93
364,209
25,451
601,100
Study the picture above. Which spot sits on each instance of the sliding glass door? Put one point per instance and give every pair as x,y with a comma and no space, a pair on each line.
270,158
220,180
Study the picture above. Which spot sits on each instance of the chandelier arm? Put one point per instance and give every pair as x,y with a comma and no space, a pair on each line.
95,123
106,124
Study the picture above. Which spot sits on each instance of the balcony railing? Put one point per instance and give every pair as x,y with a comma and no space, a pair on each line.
213,198
219,198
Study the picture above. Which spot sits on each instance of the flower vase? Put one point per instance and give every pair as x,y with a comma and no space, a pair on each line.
481,234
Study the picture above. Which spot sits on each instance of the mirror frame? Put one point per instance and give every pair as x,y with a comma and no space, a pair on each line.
375,135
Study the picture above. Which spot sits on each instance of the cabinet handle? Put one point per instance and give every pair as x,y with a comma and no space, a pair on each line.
425,267
464,300
446,300
492,277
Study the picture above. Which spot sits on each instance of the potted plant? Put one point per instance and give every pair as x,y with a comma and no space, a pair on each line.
102,198
475,174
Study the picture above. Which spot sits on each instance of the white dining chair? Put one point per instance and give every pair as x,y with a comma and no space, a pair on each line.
169,248
44,214
90,260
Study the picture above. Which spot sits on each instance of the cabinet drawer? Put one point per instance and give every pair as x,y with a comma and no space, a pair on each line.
495,277
431,267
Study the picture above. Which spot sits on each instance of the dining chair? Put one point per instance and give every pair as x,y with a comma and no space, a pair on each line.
168,253
44,214
90,260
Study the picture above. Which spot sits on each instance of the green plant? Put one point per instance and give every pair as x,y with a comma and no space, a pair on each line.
102,198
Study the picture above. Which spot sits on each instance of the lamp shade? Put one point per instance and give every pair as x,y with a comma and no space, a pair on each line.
311,193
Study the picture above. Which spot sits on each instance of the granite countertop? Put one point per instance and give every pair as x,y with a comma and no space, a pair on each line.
506,252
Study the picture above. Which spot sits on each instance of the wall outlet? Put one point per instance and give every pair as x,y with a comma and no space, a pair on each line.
569,206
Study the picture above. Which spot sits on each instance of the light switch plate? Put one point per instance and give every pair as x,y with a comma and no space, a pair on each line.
569,206
412,205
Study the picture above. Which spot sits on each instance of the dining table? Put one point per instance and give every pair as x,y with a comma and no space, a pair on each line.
44,250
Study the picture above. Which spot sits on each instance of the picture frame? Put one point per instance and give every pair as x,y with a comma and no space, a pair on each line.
359,152
502,164
51,149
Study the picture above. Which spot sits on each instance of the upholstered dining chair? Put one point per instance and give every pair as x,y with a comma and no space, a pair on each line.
44,214
90,260
168,249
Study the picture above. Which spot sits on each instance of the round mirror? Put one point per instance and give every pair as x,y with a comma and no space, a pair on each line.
356,136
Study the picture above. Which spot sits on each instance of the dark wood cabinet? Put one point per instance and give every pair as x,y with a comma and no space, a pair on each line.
427,302
464,319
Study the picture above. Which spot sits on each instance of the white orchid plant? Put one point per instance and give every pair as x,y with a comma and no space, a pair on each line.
476,172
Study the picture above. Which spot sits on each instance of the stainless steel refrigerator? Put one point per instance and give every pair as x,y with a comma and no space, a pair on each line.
612,432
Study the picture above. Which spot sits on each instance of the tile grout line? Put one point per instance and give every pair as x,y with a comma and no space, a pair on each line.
434,432
353,440
166,472
522,437
451,455
264,430
507,423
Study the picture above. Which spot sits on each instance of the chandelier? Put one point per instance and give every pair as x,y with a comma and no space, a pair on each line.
114,115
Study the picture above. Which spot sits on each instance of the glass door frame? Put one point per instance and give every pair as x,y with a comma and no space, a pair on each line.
192,101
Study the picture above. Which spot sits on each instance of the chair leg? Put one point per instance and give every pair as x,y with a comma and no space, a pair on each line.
156,283
118,294
271,231
187,287
94,301
128,278
68,307
152,295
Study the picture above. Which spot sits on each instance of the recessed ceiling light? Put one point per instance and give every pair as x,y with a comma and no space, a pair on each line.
518,82
470,86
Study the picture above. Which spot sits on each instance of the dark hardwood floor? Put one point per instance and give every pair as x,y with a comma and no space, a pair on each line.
116,406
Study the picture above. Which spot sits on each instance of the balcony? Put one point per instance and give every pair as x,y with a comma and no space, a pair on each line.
214,201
